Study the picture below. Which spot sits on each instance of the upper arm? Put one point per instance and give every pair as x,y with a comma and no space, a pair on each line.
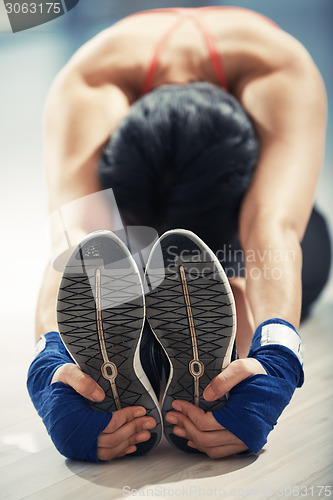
288,107
78,121
80,115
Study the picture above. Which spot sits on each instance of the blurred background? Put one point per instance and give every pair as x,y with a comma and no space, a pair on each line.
29,61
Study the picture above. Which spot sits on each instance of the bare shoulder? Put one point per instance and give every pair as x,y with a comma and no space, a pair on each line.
114,57
252,45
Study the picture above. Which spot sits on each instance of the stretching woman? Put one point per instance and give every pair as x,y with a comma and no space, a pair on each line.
217,123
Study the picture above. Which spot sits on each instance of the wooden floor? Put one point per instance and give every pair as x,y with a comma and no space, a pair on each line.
299,453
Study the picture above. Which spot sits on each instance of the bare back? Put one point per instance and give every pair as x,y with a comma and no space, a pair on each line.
247,44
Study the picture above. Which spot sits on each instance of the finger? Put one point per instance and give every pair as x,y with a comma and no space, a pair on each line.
237,371
70,374
186,429
123,448
184,426
106,454
121,417
204,439
220,451
128,451
125,432
203,421
208,439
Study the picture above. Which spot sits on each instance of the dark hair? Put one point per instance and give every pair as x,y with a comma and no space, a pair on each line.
184,135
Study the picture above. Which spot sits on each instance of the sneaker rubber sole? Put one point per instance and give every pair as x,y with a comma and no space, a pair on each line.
191,310
101,310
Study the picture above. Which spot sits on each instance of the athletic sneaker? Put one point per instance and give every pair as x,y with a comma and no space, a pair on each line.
191,310
101,312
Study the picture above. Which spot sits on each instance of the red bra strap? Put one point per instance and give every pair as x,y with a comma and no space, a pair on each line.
185,13
148,82
214,54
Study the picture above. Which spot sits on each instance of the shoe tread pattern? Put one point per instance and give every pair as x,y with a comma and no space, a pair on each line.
213,316
122,313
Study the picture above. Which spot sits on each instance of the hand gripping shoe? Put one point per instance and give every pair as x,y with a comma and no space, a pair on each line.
101,310
191,310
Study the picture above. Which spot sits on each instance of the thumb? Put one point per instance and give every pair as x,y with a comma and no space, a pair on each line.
237,371
82,383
